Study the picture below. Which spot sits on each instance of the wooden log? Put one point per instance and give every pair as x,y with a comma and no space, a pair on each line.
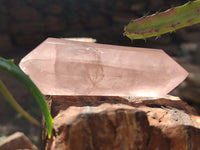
122,123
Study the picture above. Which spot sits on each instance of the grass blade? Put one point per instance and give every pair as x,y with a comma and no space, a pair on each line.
8,96
10,67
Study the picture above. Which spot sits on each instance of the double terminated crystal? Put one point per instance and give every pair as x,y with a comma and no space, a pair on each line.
65,67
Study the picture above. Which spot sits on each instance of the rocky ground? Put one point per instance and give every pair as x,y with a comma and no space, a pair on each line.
25,24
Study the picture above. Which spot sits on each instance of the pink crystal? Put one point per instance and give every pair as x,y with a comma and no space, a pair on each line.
65,67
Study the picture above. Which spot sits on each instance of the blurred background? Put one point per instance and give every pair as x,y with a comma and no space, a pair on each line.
26,23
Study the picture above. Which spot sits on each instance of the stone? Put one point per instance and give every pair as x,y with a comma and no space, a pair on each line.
194,79
28,33
26,14
54,9
4,22
97,22
191,36
65,67
197,55
190,94
17,141
119,17
104,123
28,39
6,43
188,47
189,90
55,24
129,133
27,28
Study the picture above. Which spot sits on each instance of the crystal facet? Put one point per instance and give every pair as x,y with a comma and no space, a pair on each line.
65,67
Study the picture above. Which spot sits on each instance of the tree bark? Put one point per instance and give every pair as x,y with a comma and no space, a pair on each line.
122,123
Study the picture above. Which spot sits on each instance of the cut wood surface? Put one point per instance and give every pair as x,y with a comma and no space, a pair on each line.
122,123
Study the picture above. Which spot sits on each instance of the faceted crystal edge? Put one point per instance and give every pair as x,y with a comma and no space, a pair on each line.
63,41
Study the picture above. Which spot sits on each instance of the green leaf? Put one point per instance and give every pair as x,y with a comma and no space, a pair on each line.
10,67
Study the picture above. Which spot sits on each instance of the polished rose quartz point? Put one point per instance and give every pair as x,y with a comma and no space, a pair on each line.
65,67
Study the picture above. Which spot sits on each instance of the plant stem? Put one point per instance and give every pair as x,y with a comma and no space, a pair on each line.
8,96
